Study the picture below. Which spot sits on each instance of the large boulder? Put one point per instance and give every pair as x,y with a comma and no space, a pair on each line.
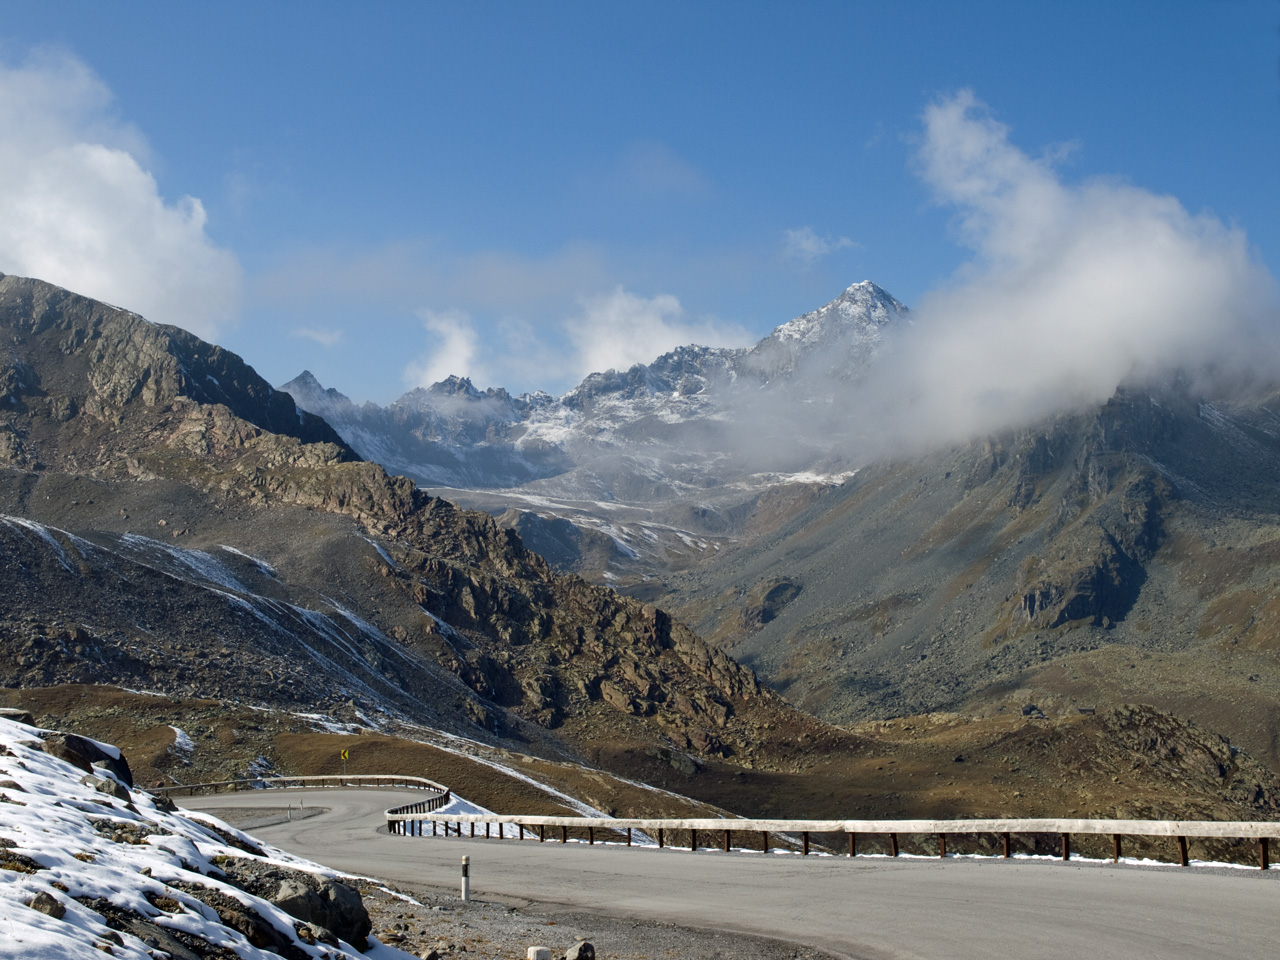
86,754
17,716
327,904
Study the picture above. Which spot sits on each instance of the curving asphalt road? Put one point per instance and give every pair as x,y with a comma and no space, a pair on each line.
866,908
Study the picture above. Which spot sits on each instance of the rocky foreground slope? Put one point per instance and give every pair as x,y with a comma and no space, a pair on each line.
90,865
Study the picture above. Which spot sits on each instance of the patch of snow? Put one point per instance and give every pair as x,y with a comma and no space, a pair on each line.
383,553
203,565
181,741
44,533
260,564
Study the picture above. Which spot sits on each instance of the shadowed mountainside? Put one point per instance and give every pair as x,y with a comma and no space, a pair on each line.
1123,554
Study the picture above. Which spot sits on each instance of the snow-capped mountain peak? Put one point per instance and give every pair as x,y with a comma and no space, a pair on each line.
862,309
452,434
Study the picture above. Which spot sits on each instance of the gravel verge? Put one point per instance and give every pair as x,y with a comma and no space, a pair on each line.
421,919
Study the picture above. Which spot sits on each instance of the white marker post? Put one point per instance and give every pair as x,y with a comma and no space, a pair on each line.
466,879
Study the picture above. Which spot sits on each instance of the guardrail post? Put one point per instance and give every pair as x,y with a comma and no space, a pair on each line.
1264,852
1004,837
591,836
521,826
693,839
564,834
1066,846
804,842
853,844
499,831
893,844
473,829
660,838
433,828
942,846
1182,852
726,841
1115,848
628,836
542,833
486,829
764,841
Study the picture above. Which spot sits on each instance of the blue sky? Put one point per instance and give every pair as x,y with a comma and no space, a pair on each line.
387,192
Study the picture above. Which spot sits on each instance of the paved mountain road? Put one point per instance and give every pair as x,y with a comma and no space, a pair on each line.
865,908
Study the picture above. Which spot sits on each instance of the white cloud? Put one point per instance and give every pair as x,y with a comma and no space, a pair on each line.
620,329
326,338
804,244
1073,288
79,208
457,345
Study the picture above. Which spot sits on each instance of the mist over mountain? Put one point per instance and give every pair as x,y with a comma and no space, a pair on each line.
452,434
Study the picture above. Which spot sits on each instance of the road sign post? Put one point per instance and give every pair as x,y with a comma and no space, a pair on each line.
344,765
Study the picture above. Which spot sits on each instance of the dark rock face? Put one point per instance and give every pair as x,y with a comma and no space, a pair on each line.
329,906
86,754
109,358
334,906
17,716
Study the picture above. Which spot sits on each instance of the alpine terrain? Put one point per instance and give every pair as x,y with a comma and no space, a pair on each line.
1121,553
194,568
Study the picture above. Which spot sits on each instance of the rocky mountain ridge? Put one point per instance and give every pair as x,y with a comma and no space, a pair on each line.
655,466
153,527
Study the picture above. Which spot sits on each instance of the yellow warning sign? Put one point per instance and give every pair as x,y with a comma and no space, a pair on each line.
344,755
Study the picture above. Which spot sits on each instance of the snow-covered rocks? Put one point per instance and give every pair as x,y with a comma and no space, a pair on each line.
85,872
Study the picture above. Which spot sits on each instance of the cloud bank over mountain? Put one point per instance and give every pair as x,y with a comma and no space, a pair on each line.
1072,289
80,208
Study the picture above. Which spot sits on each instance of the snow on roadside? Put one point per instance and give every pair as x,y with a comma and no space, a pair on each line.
64,844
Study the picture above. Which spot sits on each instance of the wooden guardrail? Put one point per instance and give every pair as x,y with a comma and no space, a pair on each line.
440,793
407,821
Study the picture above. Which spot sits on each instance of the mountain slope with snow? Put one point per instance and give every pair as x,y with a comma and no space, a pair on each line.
91,866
